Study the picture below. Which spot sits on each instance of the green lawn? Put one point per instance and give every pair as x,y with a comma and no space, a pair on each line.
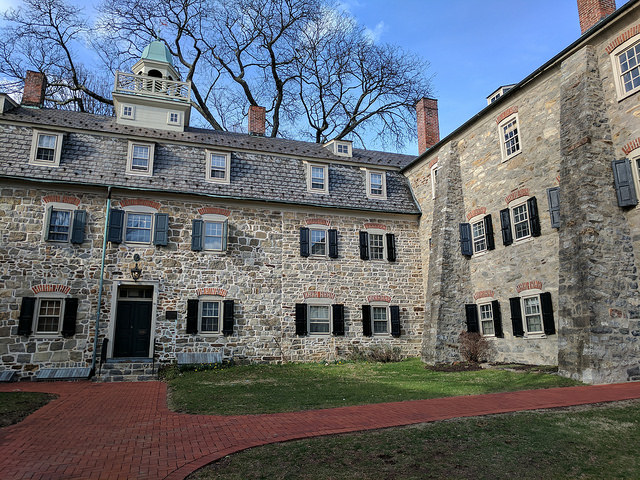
255,389
587,443
14,406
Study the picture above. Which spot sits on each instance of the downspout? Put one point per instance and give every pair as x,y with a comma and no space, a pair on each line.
104,251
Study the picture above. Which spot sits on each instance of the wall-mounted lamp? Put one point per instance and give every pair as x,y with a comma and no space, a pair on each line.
136,272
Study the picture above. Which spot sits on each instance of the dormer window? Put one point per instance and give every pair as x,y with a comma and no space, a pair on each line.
46,148
343,149
128,111
317,178
376,184
173,118
140,159
218,166
340,147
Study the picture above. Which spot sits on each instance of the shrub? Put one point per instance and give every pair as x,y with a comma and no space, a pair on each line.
376,353
473,347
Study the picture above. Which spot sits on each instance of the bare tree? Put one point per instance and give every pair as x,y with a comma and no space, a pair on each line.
312,66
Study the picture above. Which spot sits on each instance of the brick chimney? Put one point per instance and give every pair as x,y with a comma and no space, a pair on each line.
428,126
35,85
256,120
592,11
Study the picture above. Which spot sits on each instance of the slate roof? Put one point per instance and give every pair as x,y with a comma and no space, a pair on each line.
258,169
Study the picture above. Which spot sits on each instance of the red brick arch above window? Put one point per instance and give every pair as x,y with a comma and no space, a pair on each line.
476,211
318,294
532,285
61,199
318,221
509,111
631,146
379,226
214,211
623,37
484,294
519,193
219,292
51,288
130,202
379,298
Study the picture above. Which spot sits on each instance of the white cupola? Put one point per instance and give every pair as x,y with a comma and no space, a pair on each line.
153,95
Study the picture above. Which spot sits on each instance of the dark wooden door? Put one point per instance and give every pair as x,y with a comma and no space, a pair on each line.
133,329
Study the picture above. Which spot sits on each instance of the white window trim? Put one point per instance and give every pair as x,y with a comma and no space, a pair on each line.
386,306
34,148
326,240
382,196
69,207
131,171
378,231
227,166
512,206
319,302
472,221
528,294
343,144
503,149
138,209
214,218
325,167
480,326
634,158
178,121
434,169
210,298
617,73
48,296
133,111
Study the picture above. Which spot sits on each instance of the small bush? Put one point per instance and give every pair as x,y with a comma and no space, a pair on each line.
473,347
376,353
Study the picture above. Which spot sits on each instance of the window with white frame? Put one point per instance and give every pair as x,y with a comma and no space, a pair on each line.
487,326
319,318
626,67
521,221
317,178
376,246
343,149
318,240
376,184
434,179
138,227
59,228
509,137
479,236
128,111
46,148
210,316
48,315
140,159
380,319
213,235
218,167
173,118
532,314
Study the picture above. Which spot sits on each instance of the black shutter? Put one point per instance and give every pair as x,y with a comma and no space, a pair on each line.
304,242
465,239
366,321
516,317
25,323
505,223
116,225
161,229
364,246
623,180
547,313
471,311
192,316
227,317
70,315
79,221
391,247
497,319
197,238
488,232
338,319
395,320
534,218
301,319
333,243
47,223
553,195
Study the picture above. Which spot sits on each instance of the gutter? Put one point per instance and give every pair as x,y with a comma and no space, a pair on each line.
593,31
104,251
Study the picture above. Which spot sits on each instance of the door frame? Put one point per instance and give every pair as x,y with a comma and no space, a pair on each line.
115,289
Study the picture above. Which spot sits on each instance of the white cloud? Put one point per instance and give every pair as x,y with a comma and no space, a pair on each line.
376,33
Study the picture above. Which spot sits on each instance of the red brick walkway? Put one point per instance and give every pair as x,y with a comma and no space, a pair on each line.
125,431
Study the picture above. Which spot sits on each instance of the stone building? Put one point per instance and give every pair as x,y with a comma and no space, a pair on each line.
518,225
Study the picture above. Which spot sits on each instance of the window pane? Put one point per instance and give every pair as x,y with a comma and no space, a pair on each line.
629,68
213,235
376,183
210,321
376,246
218,166
479,243
317,178
521,221
319,319
486,319
318,242
46,151
59,223
511,141
140,158
532,314
48,316
379,319
138,227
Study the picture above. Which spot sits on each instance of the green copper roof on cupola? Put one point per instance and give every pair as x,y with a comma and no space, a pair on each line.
157,51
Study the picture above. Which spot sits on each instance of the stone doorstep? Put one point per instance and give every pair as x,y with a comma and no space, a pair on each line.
136,371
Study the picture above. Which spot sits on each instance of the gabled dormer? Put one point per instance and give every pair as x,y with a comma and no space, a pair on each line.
342,148
152,95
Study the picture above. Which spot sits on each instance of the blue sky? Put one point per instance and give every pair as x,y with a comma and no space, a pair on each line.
473,46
